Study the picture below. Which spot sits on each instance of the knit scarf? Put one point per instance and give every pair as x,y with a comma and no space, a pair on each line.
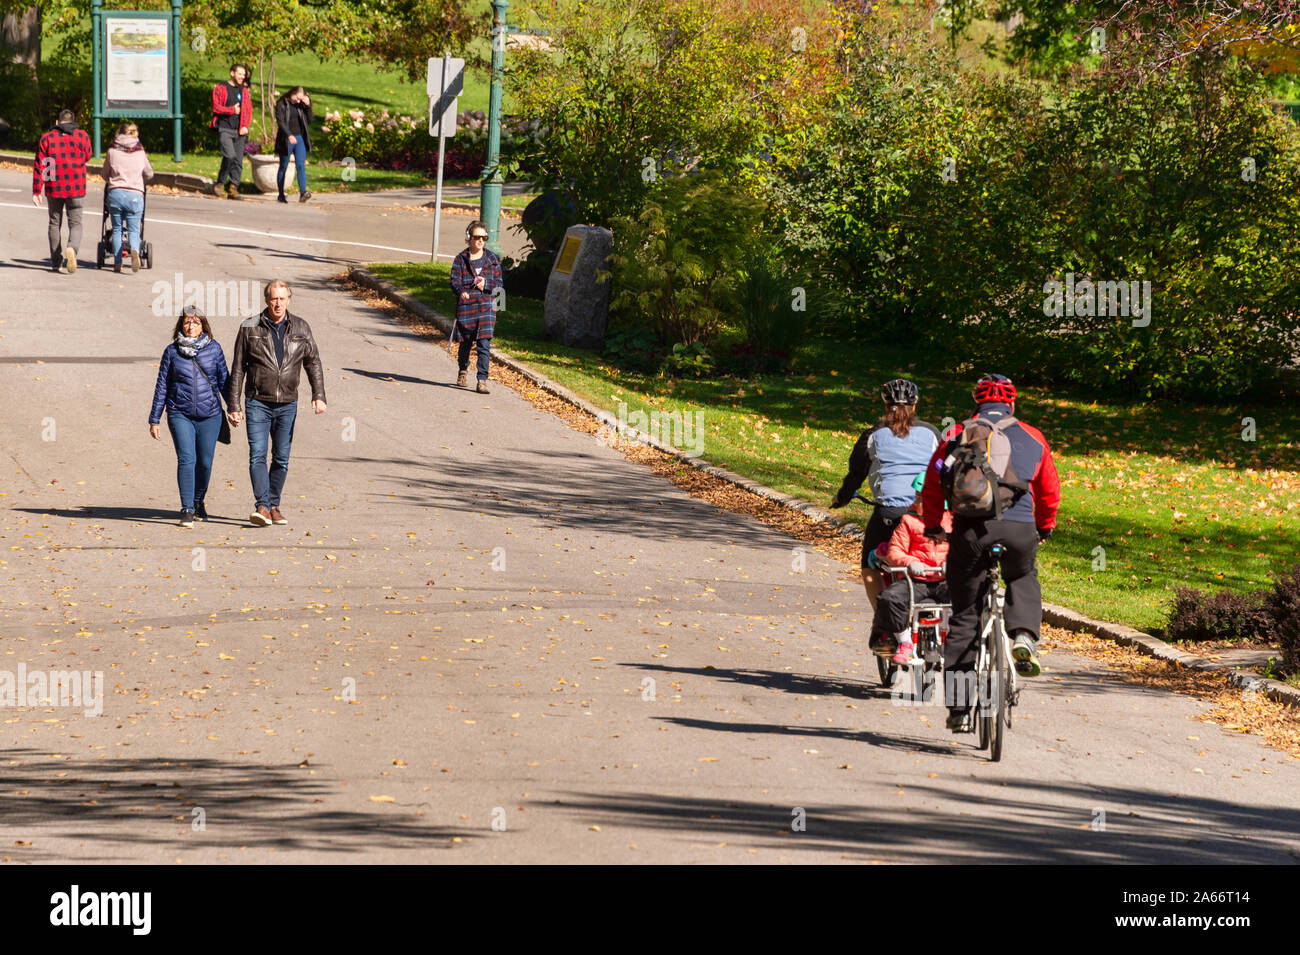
190,346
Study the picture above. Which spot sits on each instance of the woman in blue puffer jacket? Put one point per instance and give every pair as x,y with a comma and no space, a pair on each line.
191,378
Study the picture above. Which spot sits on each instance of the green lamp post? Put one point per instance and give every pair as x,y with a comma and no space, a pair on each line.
490,203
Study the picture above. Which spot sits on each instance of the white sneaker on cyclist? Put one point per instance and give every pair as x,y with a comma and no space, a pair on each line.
1025,652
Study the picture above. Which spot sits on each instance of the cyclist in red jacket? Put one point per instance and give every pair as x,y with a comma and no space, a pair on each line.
1023,524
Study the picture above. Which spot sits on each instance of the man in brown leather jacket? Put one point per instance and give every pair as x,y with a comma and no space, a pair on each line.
271,350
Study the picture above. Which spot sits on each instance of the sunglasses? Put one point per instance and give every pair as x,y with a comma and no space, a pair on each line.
478,237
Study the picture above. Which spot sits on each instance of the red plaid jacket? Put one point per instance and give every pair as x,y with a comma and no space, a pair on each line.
219,107
478,315
60,166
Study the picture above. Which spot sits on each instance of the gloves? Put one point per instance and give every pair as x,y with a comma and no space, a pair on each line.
1044,534
835,504
915,569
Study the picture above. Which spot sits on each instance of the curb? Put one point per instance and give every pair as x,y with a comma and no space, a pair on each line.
1067,619
1056,615
174,180
468,207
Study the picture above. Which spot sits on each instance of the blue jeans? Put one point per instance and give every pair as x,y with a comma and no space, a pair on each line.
299,152
125,204
482,355
273,421
196,441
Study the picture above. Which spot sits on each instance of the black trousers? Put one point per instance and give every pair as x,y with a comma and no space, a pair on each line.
967,577
892,608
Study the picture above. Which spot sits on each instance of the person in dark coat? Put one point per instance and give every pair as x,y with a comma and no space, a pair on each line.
293,118
475,277
191,378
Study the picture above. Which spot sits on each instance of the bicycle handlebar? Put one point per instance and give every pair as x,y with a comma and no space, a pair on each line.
858,495
903,569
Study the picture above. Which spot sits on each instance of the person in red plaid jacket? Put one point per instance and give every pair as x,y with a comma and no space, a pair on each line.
60,170
232,113
475,277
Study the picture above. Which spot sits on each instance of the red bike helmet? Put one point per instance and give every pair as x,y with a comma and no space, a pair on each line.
994,388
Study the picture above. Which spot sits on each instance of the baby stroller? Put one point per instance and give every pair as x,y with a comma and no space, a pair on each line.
928,620
104,251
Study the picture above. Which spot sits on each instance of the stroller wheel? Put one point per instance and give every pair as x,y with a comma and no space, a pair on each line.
148,254
100,255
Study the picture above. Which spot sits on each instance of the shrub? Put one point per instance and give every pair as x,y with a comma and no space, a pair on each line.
544,221
772,318
1223,616
675,265
634,349
65,83
1283,604
369,137
1046,183
403,142
627,89
689,361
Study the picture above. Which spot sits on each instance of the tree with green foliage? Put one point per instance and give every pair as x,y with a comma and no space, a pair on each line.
943,201
631,93
677,264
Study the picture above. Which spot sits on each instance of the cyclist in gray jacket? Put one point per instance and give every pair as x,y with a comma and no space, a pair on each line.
888,456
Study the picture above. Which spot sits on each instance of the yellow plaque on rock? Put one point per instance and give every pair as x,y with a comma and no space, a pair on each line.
568,253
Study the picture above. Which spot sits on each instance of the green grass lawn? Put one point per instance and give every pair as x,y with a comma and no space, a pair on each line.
1172,492
343,86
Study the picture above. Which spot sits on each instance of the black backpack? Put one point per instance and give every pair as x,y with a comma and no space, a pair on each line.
978,476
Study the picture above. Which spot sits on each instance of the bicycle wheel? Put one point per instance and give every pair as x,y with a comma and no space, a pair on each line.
1000,710
983,680
886,669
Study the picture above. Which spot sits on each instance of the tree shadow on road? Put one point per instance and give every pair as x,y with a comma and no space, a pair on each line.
151,803
1009,821
569,488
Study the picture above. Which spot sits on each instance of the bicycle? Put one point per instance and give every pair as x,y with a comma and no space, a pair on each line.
996,691
928,622
884,665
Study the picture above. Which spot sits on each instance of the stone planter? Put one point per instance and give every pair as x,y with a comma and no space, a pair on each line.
265,168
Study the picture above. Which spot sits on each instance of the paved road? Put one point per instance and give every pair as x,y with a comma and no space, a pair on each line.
460,625
392,226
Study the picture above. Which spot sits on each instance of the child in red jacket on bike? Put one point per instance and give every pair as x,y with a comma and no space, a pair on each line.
908,547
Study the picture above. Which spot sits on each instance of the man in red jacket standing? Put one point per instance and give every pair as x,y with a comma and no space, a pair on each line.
60,169
232,112
1028,520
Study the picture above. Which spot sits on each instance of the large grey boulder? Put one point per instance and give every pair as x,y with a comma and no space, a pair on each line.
577,306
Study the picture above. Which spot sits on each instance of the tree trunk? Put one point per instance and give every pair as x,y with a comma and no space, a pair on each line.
261,86
22,33
266,133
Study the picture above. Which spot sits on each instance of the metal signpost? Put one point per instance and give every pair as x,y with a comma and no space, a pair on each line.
445,83
136,66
